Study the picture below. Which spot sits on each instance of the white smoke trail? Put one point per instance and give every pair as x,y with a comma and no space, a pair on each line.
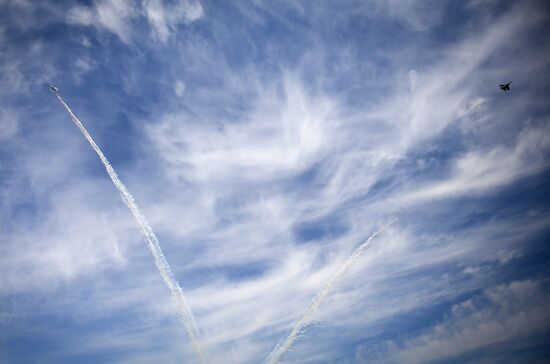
277,353
183,309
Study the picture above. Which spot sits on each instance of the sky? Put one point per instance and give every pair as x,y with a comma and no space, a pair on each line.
265,141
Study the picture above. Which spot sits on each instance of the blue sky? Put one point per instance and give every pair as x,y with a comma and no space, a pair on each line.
265,141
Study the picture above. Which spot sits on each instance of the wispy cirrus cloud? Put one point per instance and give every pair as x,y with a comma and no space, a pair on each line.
481,171
164,18
113,16
120,16
498,316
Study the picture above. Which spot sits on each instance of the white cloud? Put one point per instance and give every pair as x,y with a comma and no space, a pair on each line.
283,133
235,172
117,16
8,123
413,79
112,15
420,15
89,244
479,171
179,88
445,89
165,18
503,313
235,184
10,73
84,65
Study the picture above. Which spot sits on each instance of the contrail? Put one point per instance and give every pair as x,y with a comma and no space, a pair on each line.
277,353
183,309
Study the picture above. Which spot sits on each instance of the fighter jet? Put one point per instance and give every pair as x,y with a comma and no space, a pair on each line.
53,88
505,87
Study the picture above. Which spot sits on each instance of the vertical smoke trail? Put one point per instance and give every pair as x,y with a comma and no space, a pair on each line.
277,353
184,311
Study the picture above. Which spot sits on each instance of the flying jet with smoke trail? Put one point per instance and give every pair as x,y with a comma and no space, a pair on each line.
281,349
183,310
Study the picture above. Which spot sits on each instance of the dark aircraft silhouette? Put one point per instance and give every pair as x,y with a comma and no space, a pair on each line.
53,88
505,87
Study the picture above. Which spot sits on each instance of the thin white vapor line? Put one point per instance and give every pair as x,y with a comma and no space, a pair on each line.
183,310
298,329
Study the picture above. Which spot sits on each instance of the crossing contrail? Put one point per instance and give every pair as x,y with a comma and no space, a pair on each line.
277,353
183,309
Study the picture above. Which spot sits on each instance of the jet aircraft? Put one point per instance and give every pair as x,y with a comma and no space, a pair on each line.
53,88
505,87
